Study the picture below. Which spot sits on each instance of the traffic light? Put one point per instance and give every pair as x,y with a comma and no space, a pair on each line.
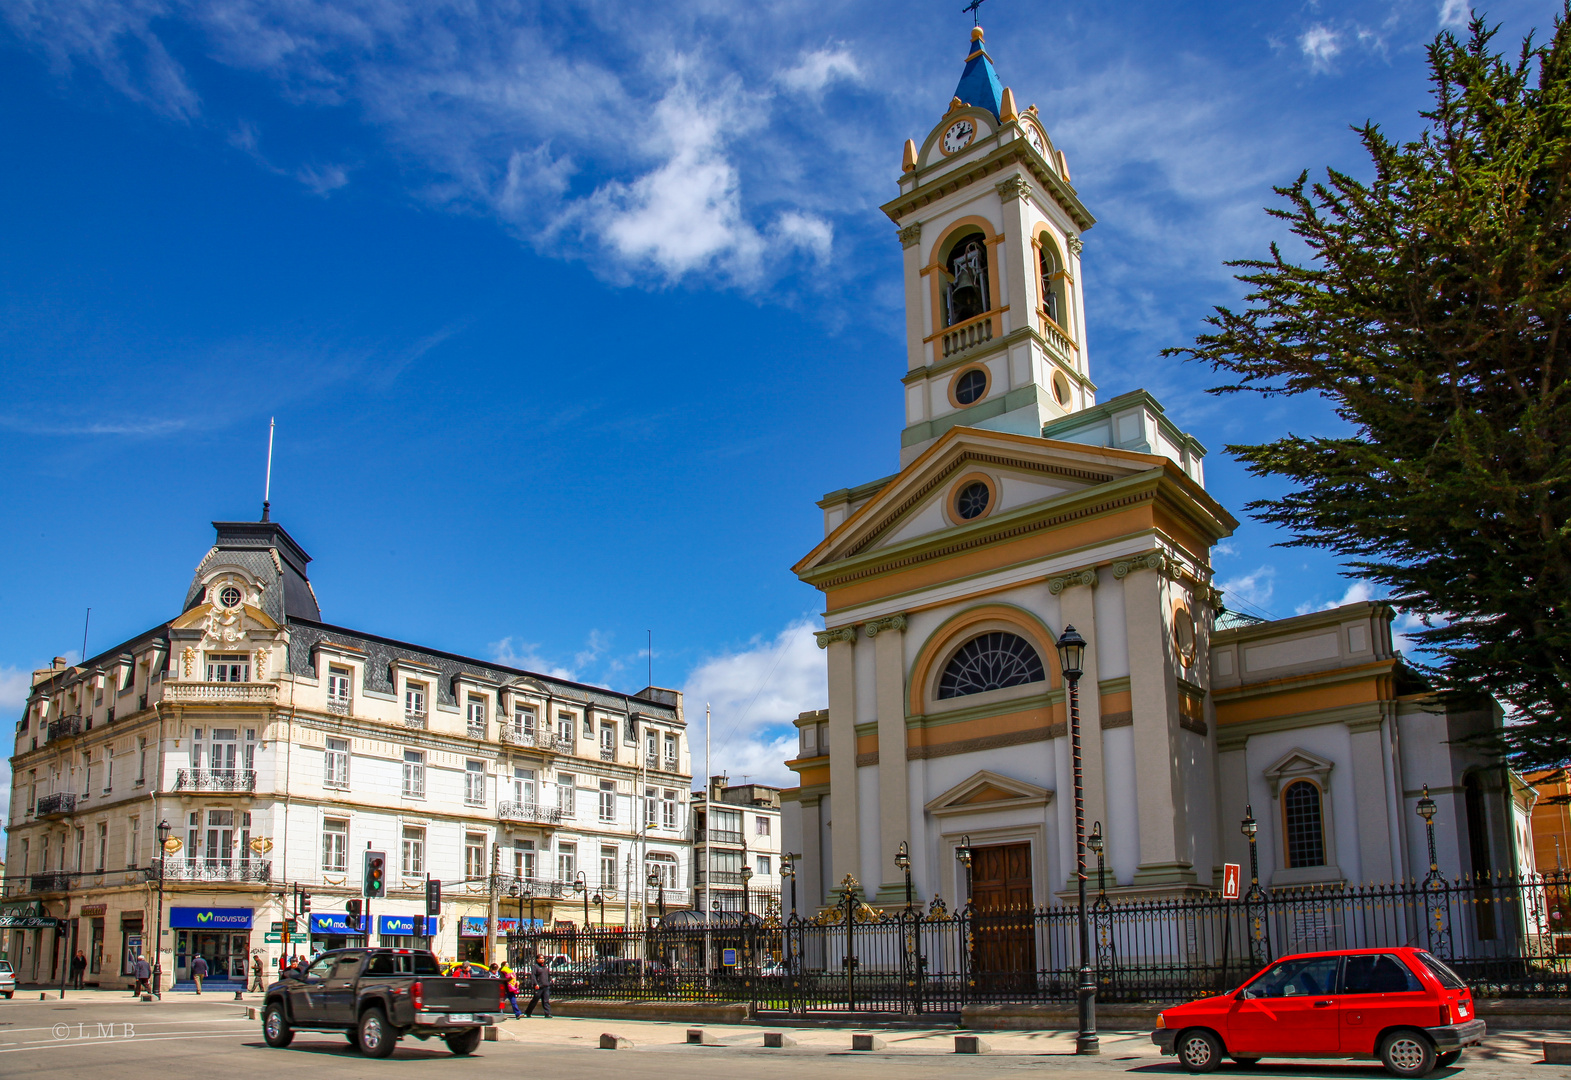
374,881
305,903
433,898
352,909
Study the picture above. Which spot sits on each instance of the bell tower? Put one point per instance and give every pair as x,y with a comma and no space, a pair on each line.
995,319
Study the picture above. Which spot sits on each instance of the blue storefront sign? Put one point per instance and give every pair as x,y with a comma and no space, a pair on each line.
401,925
210,918
329,922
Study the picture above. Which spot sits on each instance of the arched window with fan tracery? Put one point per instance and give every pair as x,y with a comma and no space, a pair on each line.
993,661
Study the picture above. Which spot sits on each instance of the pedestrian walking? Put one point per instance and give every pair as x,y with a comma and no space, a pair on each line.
143,971
542,995
198,970
495,970
78,969
510,988
256,975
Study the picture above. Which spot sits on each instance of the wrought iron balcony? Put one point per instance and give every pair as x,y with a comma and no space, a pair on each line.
531,812
415,720
514,888
215,780
476,731
219,693
57,805
53,881
340,704
64,727
608,753
215,870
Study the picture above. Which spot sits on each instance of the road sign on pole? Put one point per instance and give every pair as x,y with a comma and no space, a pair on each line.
1230,881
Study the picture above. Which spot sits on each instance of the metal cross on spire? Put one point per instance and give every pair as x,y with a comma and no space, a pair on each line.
973,8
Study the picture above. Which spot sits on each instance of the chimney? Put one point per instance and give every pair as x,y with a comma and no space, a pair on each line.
60,663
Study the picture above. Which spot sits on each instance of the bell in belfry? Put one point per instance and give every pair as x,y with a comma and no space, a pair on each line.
968,282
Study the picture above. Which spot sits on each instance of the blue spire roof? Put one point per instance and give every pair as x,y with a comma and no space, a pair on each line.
979,85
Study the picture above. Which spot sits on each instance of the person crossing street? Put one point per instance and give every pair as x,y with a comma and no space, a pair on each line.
510,988
542,994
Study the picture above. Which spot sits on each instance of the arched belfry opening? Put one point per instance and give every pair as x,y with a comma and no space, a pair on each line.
966,270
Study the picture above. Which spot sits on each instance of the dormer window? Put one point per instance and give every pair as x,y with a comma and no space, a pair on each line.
228,667
476,717
338,700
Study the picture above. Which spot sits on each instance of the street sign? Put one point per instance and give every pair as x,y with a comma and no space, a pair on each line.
1230,881
273,939
728,957
291,926
277,927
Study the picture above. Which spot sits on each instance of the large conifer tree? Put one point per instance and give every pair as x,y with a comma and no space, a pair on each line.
1433,315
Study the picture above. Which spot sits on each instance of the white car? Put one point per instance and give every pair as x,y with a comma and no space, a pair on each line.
7,979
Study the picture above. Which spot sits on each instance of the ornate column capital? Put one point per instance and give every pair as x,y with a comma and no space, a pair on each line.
889,622
1076,246
1060,582
1154,560
910,235
1015,187
827,638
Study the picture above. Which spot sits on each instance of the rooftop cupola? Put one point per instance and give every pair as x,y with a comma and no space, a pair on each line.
979,85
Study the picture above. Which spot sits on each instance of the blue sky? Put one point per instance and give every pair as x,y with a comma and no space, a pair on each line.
568,313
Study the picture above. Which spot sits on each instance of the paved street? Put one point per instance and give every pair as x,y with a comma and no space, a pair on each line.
184,1036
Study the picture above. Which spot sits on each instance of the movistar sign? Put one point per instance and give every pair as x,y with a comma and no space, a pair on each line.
204,918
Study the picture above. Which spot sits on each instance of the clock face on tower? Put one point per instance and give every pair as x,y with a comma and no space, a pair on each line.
958,136
1035,137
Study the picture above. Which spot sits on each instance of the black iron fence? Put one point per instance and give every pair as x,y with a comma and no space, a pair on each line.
1508,936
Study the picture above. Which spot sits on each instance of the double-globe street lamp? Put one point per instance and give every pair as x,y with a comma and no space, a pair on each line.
164,828
1071,656
903,861
655,880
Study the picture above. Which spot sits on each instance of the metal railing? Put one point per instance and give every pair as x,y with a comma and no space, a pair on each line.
215,780
60,802
339,704
64,727
415,720
51,881
720,836
608,753
535,812
1500,933
528,740
260,870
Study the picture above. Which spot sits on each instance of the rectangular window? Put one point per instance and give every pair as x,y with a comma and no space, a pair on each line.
335,846
220,839
670,753
523,786
565,784
223,750
476,717
668,808
228,667
650,743
564,731
141,762
651,808
607,742
338,689
26,847
193,836
725,826
663,866
109,770
474,783
607,800
103,846
414,852
335,771
607,867
414,701
761,826
81,848
765,867
524,726
87,774
566,861
524,859
133,844
474,855
414,774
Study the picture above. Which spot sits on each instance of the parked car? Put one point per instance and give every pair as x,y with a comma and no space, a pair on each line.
629,967
7,979
1401,1005
374,997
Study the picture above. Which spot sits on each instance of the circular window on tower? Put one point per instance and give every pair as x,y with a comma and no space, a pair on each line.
973,497
969,387
1060,389
229,596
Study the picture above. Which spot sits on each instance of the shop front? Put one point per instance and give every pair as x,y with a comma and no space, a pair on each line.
402,932
471,939
333,930
221,936
93,919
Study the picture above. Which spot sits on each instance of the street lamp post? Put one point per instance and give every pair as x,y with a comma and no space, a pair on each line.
903,861
1435,900
1259,949
1426,809
1071,654
657,882
581,886
788,871
963,853
164,829
747,878
1094,842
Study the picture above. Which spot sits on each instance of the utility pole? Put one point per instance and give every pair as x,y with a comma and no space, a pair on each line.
709,817
491,900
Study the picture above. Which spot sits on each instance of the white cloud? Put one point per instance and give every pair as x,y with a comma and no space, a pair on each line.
755,692
1455,13
1252,588
1320,45
321,179
526,655
818,69
1225,549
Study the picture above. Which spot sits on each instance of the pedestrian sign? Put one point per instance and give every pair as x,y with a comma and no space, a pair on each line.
1230,881
728,957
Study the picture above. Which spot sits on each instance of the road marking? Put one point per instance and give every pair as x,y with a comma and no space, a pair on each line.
135,1039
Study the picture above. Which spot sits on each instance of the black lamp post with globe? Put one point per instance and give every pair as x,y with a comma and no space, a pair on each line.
1071,655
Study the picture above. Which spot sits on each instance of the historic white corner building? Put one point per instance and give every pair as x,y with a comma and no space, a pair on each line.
279,748
1023,505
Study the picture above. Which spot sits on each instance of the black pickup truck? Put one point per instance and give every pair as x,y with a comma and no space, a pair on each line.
377,996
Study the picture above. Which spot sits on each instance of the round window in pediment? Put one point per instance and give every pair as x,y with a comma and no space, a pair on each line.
229,596
972,500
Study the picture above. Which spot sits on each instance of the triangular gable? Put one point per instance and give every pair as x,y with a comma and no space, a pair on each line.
1056,465
1299,764
196,618
987,790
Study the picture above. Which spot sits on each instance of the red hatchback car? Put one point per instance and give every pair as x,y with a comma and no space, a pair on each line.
1400,1005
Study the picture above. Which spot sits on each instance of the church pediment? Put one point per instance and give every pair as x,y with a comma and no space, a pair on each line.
1014,472
987,790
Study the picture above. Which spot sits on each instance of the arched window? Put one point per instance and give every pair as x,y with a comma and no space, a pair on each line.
1306,841
1052,283
991,662
965,294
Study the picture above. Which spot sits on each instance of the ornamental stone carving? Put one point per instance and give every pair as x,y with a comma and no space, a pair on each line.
878,626
188,660
910,235
1076,245
827,638
1154,560
1056,585
1016,187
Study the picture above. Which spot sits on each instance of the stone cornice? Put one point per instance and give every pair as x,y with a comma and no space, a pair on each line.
1010,153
